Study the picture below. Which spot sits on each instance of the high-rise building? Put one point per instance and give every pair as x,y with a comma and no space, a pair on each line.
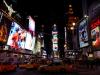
71,31
71,25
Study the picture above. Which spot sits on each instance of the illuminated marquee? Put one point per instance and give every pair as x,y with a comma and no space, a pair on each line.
55,38
95,33
95,23
3,33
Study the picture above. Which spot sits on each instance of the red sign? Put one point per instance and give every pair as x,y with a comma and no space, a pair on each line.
95,23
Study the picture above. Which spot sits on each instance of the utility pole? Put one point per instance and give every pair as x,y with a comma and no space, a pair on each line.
65,45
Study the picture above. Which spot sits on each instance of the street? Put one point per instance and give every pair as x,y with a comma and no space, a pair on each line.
80,71
30,72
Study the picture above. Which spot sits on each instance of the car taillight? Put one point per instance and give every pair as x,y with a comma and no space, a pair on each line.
70,66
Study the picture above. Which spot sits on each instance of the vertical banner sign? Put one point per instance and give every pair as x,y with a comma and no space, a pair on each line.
55,38
83,34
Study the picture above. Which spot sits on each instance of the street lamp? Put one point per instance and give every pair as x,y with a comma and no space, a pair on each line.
74,39
72,28
73,24
86,16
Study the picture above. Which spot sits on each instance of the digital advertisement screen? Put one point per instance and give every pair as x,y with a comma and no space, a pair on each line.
30,41
3,33
4,29
55,40
95,35
83,35
17,36
20,38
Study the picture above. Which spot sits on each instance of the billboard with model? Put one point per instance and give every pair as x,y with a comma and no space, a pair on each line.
83,35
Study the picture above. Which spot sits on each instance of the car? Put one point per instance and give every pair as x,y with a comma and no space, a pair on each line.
29,66
25,66
56,67
36,65
7,67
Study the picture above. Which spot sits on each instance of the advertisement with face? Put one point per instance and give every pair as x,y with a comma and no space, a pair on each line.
17,36
83,35
95,35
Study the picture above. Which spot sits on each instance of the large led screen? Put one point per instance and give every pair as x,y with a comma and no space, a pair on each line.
95,35
17,36
29,41
83,35
20,38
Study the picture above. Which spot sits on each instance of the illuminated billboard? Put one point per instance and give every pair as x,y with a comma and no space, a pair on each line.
54,38
83,35
95,34
4,28
30,40
20,38
17,36
3,33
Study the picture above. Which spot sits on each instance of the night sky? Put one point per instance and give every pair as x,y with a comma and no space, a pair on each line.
48,12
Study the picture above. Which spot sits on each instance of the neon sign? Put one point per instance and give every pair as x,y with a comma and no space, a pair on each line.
95,34
95,23
55,38
3,33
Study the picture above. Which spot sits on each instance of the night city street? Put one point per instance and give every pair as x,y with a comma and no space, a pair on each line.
34,72
49,37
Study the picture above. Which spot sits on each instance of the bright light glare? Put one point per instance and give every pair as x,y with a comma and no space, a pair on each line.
86,16
73,23
72,28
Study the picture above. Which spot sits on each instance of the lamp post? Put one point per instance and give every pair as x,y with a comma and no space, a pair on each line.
65,45
74,40
73,29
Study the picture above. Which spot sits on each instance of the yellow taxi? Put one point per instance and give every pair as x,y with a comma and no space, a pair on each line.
29,66
57,67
